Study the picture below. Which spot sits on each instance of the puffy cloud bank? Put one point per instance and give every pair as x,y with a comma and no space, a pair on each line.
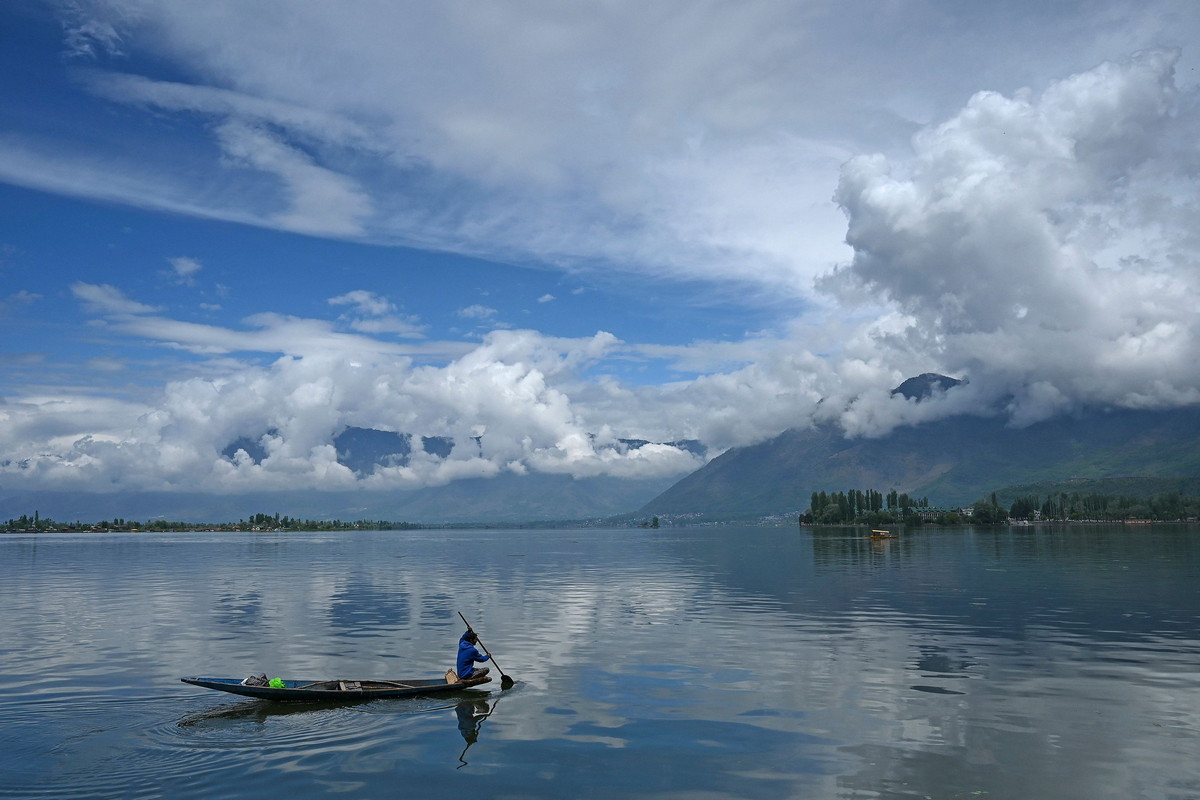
505,404
1046,245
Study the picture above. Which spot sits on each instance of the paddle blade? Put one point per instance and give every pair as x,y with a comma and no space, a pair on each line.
506,682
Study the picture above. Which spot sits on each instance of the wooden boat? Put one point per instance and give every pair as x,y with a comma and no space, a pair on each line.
875,534
338,691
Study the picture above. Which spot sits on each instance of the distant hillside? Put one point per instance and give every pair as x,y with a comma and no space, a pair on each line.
503,499
365,449
1136,488
953,462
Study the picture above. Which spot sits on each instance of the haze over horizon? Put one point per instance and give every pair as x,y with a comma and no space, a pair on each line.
546,229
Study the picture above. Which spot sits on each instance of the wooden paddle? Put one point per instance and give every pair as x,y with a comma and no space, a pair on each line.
505,681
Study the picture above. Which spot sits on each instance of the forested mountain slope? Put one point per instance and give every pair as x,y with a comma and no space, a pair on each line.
952,462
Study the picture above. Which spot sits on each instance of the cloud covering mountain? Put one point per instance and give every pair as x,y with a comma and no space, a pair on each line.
1040,243
547,231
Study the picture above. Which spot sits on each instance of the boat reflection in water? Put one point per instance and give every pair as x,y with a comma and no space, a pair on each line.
471,714
256,711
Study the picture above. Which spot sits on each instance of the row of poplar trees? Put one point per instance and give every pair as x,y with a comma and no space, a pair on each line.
854,503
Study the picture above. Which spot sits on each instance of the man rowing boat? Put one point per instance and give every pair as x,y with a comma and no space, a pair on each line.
468,654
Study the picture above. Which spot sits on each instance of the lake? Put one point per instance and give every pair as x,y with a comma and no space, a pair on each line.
730,662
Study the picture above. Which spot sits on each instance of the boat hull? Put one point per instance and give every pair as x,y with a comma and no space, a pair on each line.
338,691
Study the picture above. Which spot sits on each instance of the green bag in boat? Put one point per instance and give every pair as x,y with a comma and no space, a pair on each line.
277,683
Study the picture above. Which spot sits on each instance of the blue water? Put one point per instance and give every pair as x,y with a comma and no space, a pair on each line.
708,663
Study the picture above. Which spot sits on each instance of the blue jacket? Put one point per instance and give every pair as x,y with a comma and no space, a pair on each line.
467,656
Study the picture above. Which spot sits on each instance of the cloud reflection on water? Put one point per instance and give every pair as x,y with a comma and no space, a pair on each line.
739,662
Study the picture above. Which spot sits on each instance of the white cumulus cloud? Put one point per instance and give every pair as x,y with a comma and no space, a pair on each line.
1043,244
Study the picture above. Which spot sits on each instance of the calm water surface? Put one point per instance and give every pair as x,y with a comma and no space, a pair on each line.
717,663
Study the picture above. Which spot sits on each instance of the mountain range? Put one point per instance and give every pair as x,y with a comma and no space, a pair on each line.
953,461
507,498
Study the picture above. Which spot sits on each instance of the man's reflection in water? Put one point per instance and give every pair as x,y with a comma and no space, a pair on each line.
471,714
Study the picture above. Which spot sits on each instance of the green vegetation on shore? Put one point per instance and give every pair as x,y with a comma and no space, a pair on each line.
1077,506
869,507
1074,501
257,522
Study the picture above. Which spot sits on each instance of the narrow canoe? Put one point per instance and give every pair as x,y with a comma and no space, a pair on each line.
336,690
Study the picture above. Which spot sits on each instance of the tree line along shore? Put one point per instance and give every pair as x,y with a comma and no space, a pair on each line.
870,507
849,507
257,522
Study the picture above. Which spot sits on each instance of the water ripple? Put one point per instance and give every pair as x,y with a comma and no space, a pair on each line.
743,663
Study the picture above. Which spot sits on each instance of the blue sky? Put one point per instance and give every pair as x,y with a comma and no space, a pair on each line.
558,229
